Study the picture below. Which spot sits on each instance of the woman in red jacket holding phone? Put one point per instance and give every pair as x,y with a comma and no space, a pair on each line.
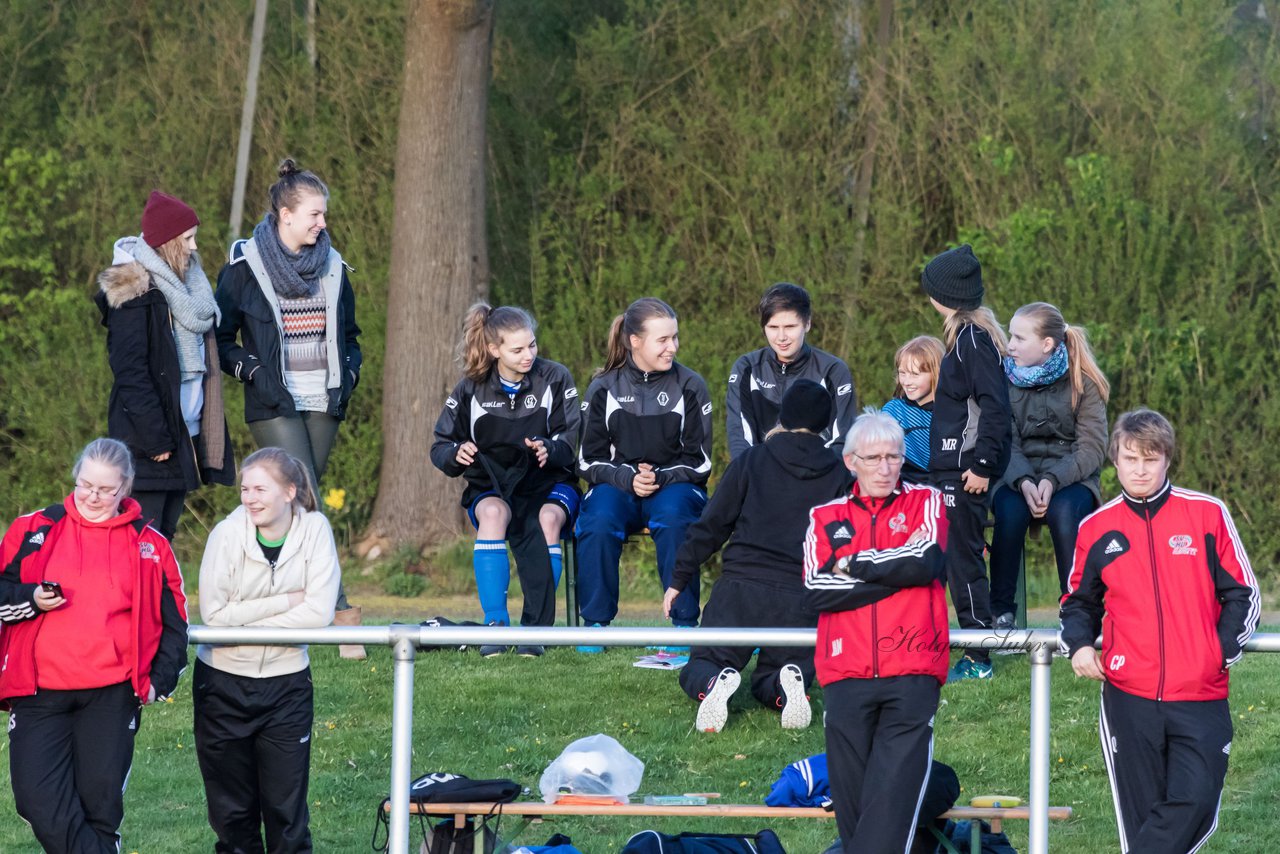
95,627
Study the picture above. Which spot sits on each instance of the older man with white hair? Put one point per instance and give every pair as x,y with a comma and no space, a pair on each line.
873,569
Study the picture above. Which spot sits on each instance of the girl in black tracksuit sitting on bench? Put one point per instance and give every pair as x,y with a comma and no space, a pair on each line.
646,451
760,378
509,429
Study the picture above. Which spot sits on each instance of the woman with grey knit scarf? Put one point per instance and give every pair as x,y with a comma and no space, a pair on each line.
166,394
288,332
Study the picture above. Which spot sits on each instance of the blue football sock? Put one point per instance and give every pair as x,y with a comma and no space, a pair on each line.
557,563
493,576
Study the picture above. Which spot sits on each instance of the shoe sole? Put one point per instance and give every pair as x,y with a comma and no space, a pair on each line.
492,652
530,653
713,712
796,713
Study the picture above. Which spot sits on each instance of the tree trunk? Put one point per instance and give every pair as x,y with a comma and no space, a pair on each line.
866,167
311,33
246,118
439,259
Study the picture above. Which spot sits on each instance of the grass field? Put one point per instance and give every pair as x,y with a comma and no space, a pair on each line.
509,717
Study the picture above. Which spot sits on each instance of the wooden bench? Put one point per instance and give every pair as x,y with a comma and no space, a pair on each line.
534,810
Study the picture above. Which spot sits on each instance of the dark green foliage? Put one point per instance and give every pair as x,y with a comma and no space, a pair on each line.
135,96
1114,158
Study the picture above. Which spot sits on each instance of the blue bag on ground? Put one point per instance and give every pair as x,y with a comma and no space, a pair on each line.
653,842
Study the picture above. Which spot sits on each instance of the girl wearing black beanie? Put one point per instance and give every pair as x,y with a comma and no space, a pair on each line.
971,435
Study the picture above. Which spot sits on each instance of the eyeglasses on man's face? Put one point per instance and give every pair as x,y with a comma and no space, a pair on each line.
879,459
99,492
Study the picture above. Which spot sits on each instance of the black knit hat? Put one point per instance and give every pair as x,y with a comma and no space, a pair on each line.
806,405
954,278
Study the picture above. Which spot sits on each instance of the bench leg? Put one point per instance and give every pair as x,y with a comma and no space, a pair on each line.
944,841
1020,617
569,578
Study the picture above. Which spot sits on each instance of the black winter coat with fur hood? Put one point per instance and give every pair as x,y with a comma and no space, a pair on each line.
145,410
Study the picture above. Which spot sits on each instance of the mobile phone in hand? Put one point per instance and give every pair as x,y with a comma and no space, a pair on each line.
51,587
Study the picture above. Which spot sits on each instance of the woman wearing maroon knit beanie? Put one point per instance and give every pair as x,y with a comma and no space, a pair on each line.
288,332
166,397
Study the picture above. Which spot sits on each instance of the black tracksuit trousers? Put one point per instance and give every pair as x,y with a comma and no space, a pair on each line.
69,759
737,603
253,740
966,568
533,561
1167,762
879,754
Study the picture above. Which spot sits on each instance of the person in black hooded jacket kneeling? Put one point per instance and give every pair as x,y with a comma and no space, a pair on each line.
761,509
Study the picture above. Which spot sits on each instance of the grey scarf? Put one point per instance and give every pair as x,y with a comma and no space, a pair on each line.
293,274
191,305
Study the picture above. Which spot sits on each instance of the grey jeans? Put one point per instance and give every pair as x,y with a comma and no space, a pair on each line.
307,436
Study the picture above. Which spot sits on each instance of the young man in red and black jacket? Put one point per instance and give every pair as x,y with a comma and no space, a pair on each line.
1162,573
873,567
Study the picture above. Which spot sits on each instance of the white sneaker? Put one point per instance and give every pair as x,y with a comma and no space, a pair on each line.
796,713
714,709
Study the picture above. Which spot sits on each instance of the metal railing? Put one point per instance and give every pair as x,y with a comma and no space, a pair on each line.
405,640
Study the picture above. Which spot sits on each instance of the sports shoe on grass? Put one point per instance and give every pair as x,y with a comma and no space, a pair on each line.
713,711
489,650
678,650
530,650
1006,622
592,650
967,668
796,713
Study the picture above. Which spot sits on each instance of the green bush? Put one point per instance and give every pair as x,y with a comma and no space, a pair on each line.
405,585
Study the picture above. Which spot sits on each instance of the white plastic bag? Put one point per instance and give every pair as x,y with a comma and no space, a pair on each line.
596,765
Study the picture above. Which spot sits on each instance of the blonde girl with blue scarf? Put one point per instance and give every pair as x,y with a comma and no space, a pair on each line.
1058,396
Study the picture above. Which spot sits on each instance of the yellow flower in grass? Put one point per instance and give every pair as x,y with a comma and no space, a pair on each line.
335,498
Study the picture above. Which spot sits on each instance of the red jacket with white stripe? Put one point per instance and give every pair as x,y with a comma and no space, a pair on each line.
1167,582
873,570
147,646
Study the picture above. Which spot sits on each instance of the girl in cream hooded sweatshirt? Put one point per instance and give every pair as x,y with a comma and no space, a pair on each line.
271,562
